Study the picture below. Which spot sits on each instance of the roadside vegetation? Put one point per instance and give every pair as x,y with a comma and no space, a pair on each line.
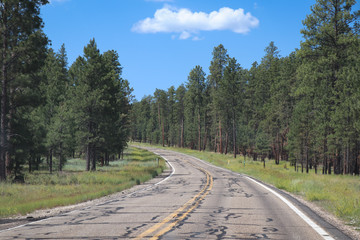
337,194
43,190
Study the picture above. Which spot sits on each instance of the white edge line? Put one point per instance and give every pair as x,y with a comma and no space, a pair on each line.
144,189
26,224
172,172
310,222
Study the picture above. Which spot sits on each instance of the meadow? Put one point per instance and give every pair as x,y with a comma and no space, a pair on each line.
42,190
336,194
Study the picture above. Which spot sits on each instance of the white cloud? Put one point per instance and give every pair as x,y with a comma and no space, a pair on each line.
184,35
187,23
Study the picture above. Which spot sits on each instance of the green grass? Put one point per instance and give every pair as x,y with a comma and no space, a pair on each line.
43,190
337,194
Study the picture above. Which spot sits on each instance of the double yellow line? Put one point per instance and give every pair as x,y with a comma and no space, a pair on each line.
174,218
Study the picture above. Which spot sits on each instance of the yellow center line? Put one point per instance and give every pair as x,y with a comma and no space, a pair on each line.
190,206
171,225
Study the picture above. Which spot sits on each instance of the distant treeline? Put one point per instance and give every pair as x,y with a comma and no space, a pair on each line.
303,108
49,110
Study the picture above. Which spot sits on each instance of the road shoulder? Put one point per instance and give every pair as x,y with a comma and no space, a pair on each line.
18,220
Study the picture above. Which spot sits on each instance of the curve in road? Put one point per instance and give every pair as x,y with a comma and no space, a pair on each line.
197,201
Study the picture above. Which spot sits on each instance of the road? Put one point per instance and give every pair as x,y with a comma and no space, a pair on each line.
196,201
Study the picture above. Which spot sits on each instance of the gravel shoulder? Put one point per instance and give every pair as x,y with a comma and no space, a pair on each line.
331,219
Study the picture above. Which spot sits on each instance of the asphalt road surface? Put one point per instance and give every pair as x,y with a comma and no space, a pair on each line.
196,201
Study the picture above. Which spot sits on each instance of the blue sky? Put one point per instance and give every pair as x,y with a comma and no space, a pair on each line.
160,41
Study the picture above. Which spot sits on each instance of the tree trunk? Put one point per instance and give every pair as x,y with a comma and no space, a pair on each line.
234,136
199,132
163,133
107,159
88,157
216,139
11,113
220,138
277,149
4,83
60,156
37,164
205,138
337,164
347,160
325,157
161,126
50,161
93,158
302,158
307,158
89,144
263,160
226,142
255,155
182,133
30,163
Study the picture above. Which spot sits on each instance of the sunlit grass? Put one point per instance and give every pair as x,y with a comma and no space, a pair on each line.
337,194
73,185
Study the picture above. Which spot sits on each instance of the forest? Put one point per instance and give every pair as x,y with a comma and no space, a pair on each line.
50,111
303,108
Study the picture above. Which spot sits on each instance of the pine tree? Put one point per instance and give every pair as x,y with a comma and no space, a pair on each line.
217,67
161,101
114,126
231,98
55,111
87,74
172,121
194,107
21,40
328,37
180,114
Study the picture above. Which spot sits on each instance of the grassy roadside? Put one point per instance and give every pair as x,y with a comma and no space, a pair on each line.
42,190
339,195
